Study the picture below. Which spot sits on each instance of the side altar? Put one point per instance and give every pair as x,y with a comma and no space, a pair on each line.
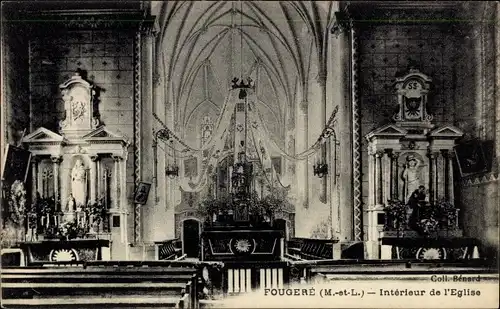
411,212
78,181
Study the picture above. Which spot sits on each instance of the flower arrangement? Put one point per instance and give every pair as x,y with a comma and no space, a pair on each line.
259,209
70,230
447,214
431,217
429,225
17,202
42,215
97,211
396,215
7,237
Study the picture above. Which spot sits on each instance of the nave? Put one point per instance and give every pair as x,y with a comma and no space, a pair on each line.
189,153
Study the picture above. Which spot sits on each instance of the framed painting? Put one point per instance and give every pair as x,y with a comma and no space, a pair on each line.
471,159
141,193
15,165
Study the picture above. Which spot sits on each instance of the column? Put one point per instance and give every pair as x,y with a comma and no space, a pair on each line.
442,183
302,139
324,194
34,177
395,175
116,190
123,198
56,160
356,133
387,173
99,177
371,178
450,196
378,178
431,177
93,179
338,90
437,185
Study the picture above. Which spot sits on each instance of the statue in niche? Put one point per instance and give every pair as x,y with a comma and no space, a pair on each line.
79,183
71,205
411,176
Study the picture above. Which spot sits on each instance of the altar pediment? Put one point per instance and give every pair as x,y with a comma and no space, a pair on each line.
387,131
45,142
447,131
102,134
42,136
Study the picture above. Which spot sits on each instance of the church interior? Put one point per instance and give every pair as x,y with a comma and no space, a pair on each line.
199,137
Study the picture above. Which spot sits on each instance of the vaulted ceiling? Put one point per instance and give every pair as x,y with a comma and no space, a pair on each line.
203,45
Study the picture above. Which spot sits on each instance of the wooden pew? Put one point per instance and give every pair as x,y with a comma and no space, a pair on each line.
102,284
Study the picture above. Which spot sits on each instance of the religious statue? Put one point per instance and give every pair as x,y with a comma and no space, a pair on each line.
79,183
411,176
71,205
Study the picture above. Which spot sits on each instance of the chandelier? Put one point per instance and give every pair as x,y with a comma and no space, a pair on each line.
172,169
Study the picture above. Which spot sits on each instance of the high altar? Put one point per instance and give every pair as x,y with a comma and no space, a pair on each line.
411,171
82,169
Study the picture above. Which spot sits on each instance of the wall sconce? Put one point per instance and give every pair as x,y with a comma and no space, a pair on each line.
320,169
172,171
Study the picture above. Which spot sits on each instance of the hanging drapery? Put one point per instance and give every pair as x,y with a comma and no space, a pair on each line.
258,124
261,140
223,122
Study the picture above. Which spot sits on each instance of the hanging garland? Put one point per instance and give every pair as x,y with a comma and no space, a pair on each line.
215,145
258,124
17,201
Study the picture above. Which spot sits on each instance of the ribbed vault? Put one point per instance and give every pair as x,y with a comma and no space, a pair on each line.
202,45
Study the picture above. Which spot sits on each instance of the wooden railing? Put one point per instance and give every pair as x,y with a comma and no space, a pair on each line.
310,249
242,277
168,249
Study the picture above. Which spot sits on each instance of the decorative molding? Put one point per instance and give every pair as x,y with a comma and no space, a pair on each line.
356,135
479,179
389,130
56,159
43,135
137,132
96,21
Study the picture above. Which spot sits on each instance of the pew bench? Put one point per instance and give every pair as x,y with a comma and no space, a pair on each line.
97,302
